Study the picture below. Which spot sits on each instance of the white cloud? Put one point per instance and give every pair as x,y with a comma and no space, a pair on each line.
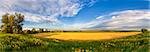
99,17
80,26
36,18
122,20
130,19
41,19
46,10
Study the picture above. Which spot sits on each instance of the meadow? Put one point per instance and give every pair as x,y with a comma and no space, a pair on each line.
136,42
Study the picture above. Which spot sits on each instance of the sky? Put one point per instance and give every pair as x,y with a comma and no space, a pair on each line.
81,14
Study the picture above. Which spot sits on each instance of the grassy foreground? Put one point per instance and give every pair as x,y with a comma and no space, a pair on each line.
16,42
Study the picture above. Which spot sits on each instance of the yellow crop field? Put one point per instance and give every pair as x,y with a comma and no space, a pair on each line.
87,36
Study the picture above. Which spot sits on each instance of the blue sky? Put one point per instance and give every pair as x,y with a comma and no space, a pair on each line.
81,14
103,7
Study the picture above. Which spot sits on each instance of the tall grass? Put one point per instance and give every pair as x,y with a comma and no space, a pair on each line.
136,43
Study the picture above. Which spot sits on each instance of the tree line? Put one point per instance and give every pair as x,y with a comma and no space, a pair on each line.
34,31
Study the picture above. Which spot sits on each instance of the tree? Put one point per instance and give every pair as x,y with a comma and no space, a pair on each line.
144,30
12,23
26,32
5,23
41,30
5,18
18,23
33,31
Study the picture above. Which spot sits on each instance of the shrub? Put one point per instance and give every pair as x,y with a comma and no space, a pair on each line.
26,32
144,30
33,31
20,42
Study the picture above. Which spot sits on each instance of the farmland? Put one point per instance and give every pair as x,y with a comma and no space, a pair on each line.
86,36
119,41
136,42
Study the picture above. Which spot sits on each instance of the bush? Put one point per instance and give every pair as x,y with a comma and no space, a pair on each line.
26,32
33,31
20,42
144,30
137,43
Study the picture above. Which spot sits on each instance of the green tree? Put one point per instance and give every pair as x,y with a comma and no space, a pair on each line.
12,23
144,30
33,31
5,18
5,23
18,22
41,30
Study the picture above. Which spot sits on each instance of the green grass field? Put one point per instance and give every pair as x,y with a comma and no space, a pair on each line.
28,43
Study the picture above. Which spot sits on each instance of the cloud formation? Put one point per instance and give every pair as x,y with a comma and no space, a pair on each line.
122,20
44,10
